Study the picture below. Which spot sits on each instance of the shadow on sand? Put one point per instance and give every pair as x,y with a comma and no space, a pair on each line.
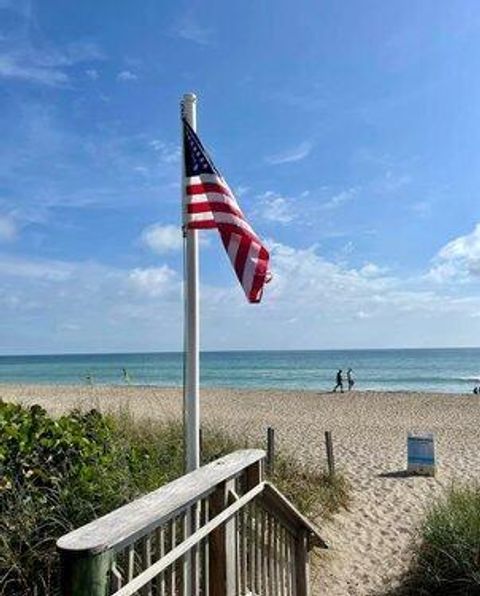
397,474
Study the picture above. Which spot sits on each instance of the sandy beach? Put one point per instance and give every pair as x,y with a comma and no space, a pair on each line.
370,542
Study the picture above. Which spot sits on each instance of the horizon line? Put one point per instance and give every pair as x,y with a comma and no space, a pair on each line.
233,350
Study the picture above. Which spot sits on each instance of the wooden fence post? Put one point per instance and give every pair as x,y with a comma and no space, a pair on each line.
222,546
302,560
270,450
85,575
330,458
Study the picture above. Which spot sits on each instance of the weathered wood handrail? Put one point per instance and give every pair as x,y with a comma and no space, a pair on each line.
221,530
143,515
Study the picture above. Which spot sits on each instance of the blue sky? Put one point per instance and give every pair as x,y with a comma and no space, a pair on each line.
349,131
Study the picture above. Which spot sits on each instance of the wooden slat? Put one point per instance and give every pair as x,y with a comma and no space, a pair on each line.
187,559
243,550
146,563
160,552
278,504
206,551
288,569
273,560
131,562
277,575
265,551
251,545
144,515
292,565
173,571
238,572
258,550
283,566
116,577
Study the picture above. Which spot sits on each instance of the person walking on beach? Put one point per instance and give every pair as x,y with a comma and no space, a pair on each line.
126,376
339,381
350,379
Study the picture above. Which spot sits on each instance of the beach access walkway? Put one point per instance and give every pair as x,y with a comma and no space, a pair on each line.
369,544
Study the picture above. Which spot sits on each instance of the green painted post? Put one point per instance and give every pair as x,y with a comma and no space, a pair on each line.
85,575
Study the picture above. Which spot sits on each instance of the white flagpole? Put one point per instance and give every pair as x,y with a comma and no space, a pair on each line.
191,393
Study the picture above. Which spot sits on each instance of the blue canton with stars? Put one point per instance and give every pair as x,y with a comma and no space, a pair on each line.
197,160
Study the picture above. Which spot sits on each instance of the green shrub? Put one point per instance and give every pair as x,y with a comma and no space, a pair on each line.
447,557
58,474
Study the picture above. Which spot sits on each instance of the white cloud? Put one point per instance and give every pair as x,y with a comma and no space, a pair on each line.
459,259
421,208
372,270
126,75
162,238
35,269
274,207
340,198
17,67
391,182
188,28
45,65
50,306
92,73
169,154
8,229
82,51
297,153
154,281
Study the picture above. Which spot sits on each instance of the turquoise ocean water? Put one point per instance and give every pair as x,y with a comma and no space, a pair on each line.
452,370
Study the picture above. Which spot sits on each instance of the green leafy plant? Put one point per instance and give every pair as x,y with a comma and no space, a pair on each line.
58,474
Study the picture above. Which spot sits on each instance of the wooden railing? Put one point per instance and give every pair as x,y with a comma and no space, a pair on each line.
219,531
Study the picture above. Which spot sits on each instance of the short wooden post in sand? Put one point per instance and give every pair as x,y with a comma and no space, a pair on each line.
270,450
330,458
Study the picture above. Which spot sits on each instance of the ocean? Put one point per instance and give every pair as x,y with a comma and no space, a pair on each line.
449,370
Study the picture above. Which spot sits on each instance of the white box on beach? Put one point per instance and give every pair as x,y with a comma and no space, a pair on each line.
421,454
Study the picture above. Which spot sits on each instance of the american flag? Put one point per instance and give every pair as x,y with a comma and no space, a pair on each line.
209,203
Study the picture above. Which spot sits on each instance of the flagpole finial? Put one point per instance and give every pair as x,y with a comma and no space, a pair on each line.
189,97
189,109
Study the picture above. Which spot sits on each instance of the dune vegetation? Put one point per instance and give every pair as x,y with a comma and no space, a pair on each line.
57,474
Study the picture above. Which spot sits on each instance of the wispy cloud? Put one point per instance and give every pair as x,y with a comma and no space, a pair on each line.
274,207
27,55
8,228
421,208
189,28
45,65
23,68
92,73
339,199
169,154
162,238
126,75
297,153
311,101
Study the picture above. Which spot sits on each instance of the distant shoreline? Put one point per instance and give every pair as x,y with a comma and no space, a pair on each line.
131,387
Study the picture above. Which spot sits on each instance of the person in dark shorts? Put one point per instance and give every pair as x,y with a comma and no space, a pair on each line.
339,381
350,379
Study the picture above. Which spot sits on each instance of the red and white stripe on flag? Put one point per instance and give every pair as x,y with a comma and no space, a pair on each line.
209,203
